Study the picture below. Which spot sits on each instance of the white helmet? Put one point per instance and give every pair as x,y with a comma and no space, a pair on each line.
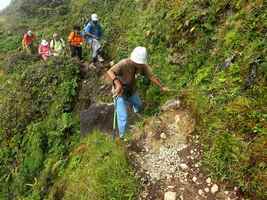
44,43
139,55
94,17
29,33
55,35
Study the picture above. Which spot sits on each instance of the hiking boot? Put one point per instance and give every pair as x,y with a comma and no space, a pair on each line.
123,139
100,59
95,60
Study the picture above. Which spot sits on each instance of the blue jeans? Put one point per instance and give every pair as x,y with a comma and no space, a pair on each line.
122,110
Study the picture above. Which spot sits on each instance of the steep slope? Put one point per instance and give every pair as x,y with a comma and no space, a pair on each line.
212,53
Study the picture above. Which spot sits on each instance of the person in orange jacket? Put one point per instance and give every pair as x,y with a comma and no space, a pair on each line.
76,41
27,41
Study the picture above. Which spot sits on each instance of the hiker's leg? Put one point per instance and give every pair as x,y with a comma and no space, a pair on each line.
122,115
94,49
94,55
44,57
28,50
72,51
80,53
31,48
136,103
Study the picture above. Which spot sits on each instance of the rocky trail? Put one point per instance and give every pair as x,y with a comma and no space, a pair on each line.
164,151
167,157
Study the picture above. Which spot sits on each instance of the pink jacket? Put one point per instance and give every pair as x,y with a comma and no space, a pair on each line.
44,50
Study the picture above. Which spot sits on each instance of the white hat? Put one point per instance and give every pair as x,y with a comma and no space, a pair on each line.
139,55
29,32
55,35
94,17
44,43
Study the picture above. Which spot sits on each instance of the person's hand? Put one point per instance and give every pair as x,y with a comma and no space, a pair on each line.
118,91
165,89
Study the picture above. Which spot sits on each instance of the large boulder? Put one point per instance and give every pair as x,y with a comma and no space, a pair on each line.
97,116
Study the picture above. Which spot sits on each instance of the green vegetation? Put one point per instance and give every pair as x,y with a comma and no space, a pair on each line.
99,169
36,121
203,49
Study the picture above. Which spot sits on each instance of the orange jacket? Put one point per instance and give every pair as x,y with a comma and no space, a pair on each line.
27,40
75,39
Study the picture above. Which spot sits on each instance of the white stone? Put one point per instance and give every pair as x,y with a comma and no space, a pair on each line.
171,187
181,197
163,136
235,188
207,189
183,166
112,63
226,192
200,192
196,165
208,180
214,188
191,151
170,196
194,179
171,104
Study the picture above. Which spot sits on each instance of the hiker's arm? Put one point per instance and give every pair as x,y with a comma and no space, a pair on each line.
52,45
23,44
154,79
71,35
40,50
88,30
157,82
117,84
90,34
63,42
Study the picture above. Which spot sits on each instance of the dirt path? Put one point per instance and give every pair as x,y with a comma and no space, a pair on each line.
167,157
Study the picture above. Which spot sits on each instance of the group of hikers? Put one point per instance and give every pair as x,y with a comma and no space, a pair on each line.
123,74
90,35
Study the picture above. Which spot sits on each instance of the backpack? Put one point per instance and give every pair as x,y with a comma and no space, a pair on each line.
61,41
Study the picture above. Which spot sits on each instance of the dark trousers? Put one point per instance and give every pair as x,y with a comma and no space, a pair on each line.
76,52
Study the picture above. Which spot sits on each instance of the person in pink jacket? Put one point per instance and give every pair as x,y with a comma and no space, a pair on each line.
44,50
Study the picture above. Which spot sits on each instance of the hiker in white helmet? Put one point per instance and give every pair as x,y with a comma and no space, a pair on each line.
123,77
27,41
93,34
